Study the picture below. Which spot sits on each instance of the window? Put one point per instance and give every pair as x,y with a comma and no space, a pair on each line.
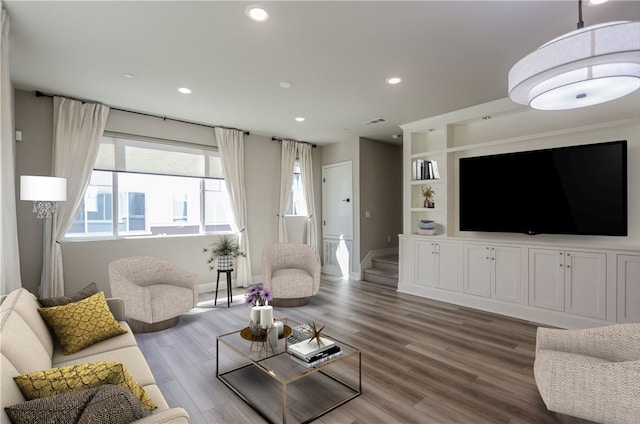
156,189
297,204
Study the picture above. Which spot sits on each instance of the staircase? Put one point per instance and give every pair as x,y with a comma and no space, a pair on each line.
384,270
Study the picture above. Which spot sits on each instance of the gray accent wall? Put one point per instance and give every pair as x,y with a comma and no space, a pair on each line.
380,195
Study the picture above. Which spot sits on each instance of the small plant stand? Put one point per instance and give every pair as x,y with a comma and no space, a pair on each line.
228,272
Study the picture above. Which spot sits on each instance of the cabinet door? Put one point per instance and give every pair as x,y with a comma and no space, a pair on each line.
546,278
628,288
505,273
425,264
477,270
446,256
586,284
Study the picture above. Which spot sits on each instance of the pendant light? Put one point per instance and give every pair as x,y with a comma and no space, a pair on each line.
584,67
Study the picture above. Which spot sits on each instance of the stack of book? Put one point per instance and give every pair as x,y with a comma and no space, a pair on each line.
309,354
425,170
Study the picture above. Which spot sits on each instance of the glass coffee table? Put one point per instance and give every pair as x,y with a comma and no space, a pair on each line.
281,388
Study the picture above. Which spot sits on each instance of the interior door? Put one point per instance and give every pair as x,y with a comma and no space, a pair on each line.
337,201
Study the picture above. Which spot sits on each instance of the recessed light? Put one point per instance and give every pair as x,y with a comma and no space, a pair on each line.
286,84
128,75
393,80
256,13
299,119
184,90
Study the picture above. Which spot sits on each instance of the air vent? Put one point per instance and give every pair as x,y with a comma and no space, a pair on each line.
374,121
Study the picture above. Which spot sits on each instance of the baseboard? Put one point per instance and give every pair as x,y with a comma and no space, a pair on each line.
514,310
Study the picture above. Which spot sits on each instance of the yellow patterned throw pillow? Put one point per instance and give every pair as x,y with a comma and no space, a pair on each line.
82,323
72,378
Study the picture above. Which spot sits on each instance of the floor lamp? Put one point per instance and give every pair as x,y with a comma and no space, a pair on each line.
44,192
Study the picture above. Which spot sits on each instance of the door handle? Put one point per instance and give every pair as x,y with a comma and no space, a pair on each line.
346,200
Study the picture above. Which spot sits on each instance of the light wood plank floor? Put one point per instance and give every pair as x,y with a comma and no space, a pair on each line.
423,361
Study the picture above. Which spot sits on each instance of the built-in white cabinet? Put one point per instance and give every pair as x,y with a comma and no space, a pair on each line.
628,288
564,287
436,264
492,271
568,281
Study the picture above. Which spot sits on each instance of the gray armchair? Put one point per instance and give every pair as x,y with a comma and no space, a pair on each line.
292,272
592,373
155,291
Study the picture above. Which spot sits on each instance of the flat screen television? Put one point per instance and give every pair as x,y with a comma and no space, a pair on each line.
566,190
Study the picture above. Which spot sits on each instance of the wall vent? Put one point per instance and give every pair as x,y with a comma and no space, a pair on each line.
374,121
331,248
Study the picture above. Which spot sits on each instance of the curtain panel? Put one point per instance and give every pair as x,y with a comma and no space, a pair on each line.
287,163
306,173
231,148
77,129
9,256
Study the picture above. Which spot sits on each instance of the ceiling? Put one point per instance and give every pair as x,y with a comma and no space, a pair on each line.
336,54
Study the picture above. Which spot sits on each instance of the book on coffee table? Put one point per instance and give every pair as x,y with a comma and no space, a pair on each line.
309,347
319,358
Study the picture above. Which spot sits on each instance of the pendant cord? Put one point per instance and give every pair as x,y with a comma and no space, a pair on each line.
580,21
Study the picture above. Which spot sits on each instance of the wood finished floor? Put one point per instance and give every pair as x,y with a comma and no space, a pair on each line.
423,361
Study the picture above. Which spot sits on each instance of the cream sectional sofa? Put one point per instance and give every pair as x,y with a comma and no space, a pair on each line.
27,345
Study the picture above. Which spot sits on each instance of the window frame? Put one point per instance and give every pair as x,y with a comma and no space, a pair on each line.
119,157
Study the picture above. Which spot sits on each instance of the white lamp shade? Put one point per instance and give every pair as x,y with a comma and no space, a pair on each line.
584,67
37,188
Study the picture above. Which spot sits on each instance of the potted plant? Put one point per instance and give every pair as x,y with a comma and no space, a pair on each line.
225,249
428,194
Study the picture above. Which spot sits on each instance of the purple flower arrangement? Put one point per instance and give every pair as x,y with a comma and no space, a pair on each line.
257,295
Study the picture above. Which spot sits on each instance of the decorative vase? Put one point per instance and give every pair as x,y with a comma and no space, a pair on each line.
225,262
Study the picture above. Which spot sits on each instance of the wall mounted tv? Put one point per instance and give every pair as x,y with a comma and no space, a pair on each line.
566,190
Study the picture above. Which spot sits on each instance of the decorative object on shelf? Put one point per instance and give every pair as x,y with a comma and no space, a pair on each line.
44,192
426,227
225,250
584,67
428,193
261,315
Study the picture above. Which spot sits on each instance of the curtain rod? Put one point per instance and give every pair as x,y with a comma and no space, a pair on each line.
305,142
41,94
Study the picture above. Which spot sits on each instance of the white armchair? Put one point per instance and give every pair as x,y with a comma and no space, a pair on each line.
292,272
155,291
592,373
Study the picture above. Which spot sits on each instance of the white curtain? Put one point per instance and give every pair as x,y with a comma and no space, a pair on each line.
231,147
9,256
77,129
287,165
306,173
